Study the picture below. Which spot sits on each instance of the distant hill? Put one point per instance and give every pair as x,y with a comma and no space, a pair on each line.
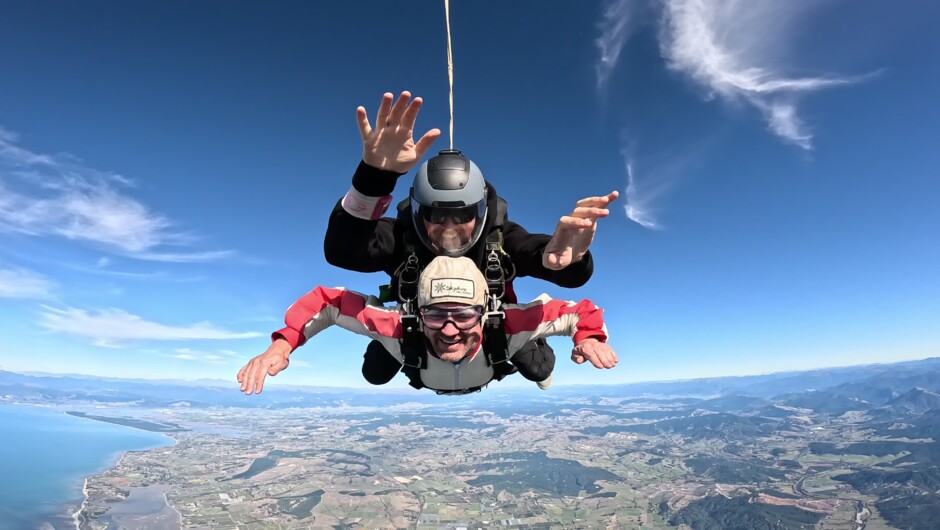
915,401
144,393
719,425
833,391
774,411
889,384
734,403
770,386
825,401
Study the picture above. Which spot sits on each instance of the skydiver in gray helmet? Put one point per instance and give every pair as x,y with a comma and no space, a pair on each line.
453,212
448,203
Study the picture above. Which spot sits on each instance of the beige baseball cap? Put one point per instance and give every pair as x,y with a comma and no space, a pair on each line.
448,279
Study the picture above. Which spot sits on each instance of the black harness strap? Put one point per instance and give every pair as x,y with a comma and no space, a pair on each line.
494,339
460,392
494,329
413,350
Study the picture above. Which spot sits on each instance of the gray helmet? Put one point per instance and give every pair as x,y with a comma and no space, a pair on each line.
449,194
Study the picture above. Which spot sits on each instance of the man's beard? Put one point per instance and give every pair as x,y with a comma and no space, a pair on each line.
450,240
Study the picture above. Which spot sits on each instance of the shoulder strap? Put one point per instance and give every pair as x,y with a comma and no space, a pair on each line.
413,350
495,345
502,212
498,272
403,204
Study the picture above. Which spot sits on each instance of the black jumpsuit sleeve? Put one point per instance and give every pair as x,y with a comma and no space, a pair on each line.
525,251
363,245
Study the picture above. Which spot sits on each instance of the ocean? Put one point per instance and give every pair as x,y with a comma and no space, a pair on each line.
45,456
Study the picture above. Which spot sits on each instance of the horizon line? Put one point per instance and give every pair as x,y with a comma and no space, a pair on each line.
225,383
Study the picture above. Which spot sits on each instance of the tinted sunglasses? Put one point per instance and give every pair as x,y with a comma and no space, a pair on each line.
456,215
463,318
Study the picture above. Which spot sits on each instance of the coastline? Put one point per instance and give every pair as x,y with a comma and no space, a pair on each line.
56,458
98,482
78,517
140,425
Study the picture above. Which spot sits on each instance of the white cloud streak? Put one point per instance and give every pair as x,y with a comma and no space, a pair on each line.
24,283
616,26
187,354
111,326
158,276
646,188
638,206
734,50
59,197
194,257
729,48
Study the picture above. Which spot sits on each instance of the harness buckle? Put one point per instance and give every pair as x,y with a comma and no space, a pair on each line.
494,362
494,274
492,314
409,321
416,365
408,279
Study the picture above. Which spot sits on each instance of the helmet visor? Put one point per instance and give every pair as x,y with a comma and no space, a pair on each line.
442,215
449,231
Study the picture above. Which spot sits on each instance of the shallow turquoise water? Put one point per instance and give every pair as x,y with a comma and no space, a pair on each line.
45,455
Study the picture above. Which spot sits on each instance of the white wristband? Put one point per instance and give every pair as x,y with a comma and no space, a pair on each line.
364,207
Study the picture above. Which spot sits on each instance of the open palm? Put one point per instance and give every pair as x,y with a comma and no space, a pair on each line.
390,145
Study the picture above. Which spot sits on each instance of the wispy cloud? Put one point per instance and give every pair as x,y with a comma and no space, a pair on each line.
158,276
638,206
651,179
115,326
58,196
194,257
18,156
188,354
24,283
616,25
730,48
733,49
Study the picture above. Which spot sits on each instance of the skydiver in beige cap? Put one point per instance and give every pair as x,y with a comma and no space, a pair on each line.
447,350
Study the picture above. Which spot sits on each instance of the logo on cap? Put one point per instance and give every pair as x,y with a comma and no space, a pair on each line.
452,288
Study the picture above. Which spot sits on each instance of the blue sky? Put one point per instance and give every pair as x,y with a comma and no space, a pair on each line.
166,171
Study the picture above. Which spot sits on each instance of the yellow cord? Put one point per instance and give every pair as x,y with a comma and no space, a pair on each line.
450,71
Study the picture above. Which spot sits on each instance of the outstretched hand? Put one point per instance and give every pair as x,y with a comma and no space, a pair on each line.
600,354
271,362
575,233
390,144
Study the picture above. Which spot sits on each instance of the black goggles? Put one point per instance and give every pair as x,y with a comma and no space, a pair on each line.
463,318
456,215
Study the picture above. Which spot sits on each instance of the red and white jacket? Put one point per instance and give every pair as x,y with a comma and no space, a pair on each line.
542,317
